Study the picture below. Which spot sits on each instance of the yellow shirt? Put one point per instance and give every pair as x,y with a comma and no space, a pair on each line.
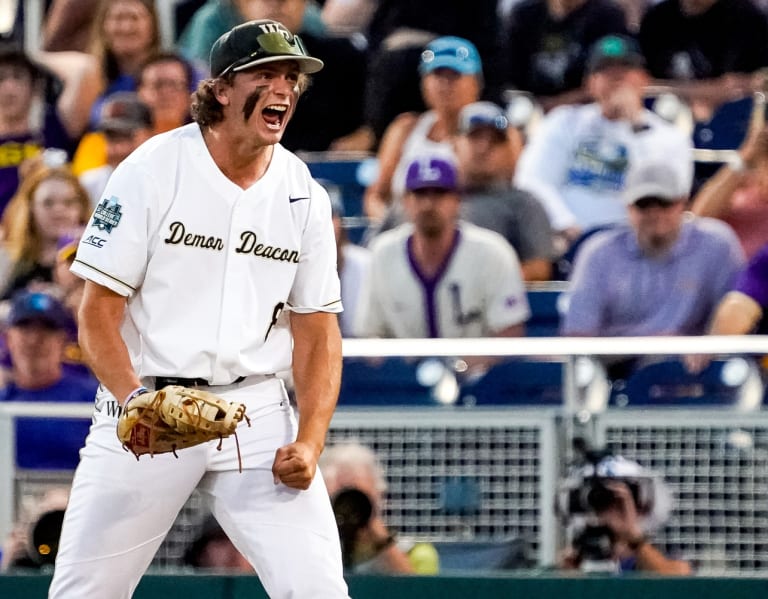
91,152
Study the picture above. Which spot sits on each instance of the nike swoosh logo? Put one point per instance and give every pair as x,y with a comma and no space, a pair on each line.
292,200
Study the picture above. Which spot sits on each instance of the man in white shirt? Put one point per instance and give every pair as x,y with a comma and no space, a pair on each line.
436,276
578,158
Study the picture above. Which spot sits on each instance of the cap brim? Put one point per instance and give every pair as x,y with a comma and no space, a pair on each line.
483,124
122,126
431,185
607,62
51,321
650,190
307,64
448,62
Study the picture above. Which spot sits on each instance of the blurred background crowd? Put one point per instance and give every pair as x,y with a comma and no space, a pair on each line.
617,148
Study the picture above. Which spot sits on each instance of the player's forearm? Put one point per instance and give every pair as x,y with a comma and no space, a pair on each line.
316,374
650,559
101,314
83,83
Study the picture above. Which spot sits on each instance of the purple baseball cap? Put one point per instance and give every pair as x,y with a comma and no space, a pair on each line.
426,172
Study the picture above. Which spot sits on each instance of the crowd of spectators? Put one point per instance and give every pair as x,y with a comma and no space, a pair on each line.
465,207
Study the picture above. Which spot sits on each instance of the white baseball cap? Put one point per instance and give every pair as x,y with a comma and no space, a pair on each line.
656,180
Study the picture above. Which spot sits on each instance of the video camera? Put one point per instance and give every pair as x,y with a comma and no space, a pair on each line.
586,492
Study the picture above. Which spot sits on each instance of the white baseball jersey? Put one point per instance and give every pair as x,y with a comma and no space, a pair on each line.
477,293
577,162
173,225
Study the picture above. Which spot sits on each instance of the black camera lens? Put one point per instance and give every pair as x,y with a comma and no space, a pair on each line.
352,509
45,537
595,543
599,497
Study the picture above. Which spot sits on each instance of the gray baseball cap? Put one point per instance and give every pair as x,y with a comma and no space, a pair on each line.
259,42
482,114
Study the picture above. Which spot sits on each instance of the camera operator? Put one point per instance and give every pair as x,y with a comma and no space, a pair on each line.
610,508
356,485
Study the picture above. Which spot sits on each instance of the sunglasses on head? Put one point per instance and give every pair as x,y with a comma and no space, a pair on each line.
653,201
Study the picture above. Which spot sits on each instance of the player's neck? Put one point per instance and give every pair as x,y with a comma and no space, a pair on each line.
241,161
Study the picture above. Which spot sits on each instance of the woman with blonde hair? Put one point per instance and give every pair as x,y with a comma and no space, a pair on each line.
125,34
49,204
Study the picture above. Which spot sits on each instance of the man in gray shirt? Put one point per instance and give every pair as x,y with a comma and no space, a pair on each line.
486,159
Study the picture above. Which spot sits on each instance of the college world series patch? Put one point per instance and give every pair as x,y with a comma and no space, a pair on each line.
107,214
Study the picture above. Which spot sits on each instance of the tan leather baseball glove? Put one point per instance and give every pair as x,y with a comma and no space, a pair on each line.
176,417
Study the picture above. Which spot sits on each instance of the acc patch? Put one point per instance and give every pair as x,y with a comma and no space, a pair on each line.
107,214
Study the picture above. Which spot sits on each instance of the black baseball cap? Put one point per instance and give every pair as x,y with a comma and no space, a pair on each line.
614,50
259,42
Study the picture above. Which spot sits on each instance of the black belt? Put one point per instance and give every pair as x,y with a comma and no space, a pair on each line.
164,381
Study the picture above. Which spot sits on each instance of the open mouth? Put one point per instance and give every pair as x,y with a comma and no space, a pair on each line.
274,115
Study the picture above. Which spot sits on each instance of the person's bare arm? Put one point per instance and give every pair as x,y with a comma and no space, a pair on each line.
100,316
650,559
536,269
82,83
714,197
375,542
710,92
317,377
377,197
361,139
68,25
737,314
623,520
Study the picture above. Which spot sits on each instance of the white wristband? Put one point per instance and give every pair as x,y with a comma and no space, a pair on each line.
135,393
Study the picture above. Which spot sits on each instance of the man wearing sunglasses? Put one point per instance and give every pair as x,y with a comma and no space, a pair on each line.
662,274
211,263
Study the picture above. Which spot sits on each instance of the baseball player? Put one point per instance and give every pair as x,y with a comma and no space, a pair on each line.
210,262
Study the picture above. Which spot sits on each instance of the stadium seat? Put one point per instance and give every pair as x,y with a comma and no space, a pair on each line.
726,130
727,127
344,174
564,265
396,381
733,382
545,315
516,382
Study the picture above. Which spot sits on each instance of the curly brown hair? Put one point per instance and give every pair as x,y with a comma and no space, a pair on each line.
206,110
